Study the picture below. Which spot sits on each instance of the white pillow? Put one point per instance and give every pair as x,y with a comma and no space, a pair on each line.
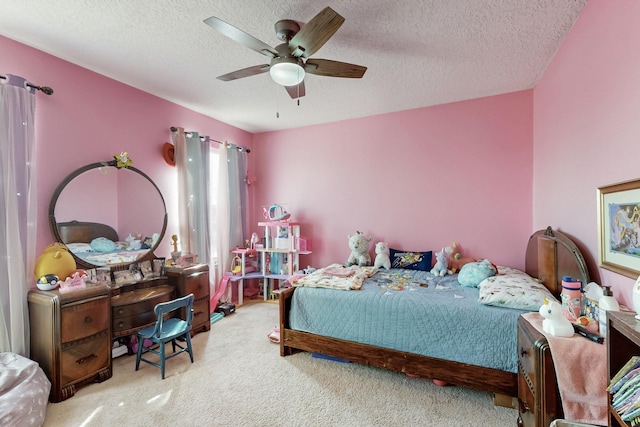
513,289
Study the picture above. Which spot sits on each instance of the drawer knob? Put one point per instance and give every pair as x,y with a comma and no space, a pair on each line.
88,319
86,359
120,311
120,325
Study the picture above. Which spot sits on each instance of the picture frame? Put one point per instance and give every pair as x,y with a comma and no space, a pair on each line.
103,275
186,260
126,276
146,269
619,228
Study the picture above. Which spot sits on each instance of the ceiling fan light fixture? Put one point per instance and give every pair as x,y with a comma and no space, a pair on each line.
287,72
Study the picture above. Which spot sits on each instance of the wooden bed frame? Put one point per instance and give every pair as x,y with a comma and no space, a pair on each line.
550,256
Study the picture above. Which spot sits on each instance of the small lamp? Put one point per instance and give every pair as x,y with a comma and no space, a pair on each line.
286,71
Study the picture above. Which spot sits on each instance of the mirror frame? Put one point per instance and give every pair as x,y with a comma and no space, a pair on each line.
54,225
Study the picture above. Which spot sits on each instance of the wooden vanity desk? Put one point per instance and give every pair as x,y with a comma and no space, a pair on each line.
132,304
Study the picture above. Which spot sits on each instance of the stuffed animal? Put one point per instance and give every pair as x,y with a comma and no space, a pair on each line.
554,322
455,260
382,256
440,268
359,245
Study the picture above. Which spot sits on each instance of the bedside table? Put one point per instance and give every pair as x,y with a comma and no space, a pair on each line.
538,396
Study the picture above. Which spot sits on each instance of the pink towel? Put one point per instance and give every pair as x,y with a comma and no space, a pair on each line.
581,371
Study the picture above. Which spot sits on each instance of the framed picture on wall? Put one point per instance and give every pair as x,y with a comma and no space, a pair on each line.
619,227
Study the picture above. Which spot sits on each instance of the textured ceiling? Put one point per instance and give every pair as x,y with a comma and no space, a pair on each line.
418,52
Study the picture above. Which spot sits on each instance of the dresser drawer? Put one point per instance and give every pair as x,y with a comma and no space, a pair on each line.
126,325
197,284
526,404
528,351
84,358
140,301
201,313
84,318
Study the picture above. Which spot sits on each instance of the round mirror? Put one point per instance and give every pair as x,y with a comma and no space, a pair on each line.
107,215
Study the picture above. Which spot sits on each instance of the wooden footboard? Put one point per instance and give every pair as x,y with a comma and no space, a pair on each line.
487,379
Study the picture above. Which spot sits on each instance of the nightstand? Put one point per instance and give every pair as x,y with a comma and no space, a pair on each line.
538,396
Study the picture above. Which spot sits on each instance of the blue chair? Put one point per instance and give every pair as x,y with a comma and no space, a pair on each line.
165,330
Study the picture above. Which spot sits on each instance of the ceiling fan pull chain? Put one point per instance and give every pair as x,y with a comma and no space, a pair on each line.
277,108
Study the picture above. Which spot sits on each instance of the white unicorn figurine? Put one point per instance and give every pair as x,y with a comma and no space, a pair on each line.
554,322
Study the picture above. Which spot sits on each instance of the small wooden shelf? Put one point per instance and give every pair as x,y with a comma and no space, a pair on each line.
623,342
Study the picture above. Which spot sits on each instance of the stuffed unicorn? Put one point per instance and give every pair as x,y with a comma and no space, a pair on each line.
440,268
554,322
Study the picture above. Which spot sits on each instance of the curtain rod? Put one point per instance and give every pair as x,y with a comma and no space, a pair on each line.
45,89
175,129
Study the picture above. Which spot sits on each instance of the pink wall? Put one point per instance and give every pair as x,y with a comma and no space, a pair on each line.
586,127
417,179
90,117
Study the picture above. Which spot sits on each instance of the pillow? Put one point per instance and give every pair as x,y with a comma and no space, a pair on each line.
515,289
475,272
79,247
410,260
102,244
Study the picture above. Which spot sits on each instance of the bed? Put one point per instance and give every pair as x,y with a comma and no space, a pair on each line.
80,237
428,326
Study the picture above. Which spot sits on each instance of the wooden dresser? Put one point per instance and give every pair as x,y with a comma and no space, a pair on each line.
71,337
538,396
193,280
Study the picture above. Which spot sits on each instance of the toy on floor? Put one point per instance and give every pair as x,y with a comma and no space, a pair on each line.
554,322
440,267
382,256
359,245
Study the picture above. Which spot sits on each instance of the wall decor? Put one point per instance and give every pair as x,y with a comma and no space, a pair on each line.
619,227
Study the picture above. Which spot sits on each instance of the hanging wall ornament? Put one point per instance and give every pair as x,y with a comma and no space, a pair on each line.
168,152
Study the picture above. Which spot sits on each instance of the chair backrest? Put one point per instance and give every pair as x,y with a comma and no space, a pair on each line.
164,308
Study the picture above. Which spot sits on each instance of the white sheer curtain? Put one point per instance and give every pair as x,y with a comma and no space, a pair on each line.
210,224
192,161
18,220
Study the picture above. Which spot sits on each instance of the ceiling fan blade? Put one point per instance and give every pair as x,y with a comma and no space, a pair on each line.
296,91
329,68
245,72
241,37
315,33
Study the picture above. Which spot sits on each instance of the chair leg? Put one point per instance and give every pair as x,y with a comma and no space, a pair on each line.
139,352
188,339
162,359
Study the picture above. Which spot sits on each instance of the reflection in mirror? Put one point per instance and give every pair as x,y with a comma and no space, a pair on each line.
107,215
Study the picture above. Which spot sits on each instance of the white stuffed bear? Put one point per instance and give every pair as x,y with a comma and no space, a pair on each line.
554,322
382,256
359,245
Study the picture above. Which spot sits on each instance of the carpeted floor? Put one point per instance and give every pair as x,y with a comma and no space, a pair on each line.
239,378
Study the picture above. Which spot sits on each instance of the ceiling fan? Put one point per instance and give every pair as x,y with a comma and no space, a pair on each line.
290,60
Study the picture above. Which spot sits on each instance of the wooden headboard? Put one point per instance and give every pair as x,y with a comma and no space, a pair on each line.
552,255
85,232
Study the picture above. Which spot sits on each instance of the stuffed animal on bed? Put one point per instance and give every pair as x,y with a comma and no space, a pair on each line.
440,267
359,245
455,260
382,256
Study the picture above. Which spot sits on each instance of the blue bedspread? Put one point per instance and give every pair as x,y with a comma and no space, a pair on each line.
415,312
